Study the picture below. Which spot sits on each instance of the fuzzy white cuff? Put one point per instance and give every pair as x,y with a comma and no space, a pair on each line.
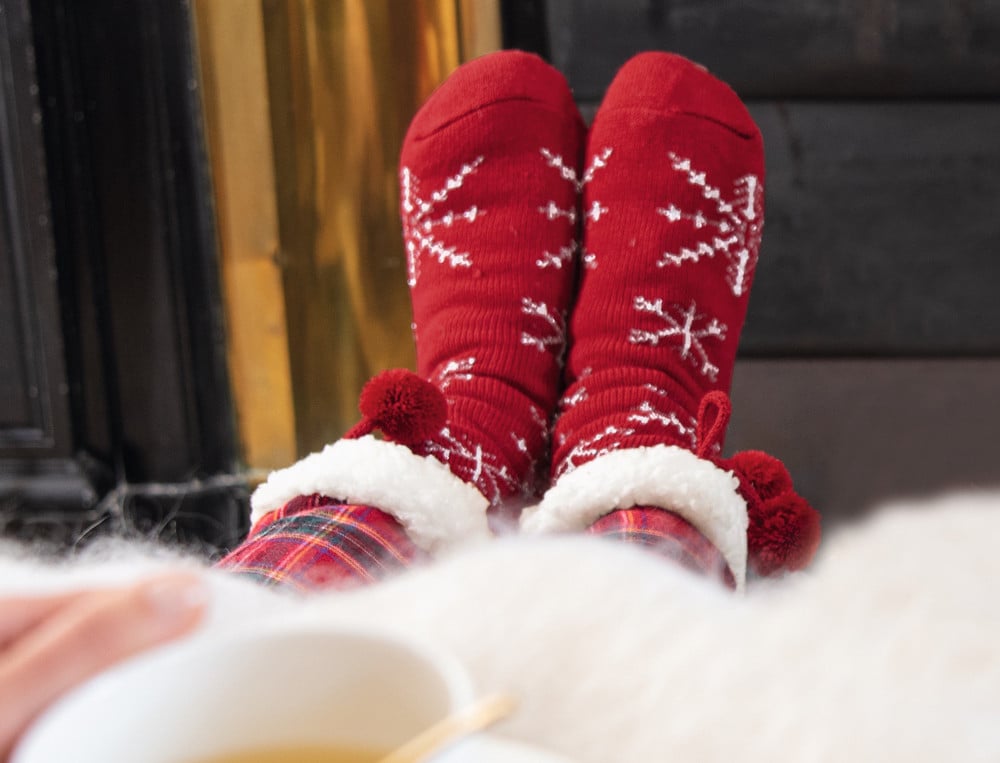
436,508
662,475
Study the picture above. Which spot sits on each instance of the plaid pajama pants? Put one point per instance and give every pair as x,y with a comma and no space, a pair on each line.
314,542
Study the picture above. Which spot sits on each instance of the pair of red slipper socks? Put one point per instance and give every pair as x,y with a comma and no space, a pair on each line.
578,298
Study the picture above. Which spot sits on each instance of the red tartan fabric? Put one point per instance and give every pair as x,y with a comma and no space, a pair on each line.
315,542
668,535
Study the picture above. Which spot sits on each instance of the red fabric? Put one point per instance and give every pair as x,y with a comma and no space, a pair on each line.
315,542
783,535
763,472
784,530
668,535
488,200
405,407
673,205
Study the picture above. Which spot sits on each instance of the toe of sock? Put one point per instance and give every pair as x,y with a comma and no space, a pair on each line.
506,75
671,83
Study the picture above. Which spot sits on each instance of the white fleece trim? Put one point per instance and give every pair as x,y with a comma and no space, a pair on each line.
662,475
436,508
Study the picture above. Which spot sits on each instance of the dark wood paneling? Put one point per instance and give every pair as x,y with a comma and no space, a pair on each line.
524,25
76,231
121,90
115,256
788,48
33,409
16,411
883,230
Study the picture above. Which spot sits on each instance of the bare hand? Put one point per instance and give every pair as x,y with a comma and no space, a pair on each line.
50,644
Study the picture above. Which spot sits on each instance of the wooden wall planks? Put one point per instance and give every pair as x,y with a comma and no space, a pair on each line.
790,48
883,229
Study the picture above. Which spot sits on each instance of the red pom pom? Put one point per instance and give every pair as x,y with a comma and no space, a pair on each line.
766,474
783,534
405,407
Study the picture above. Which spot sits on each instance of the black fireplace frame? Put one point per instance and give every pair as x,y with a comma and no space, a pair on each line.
120,337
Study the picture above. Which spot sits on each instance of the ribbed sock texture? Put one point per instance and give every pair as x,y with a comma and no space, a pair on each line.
673,205
489,194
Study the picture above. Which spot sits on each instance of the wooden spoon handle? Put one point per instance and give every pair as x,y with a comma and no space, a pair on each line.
476,717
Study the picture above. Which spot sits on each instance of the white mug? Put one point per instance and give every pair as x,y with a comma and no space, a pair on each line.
284,686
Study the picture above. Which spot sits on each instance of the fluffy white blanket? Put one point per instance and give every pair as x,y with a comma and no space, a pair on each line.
887,650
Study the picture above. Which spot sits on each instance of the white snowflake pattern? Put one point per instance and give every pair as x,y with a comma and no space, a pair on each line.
454,370
732,230
647,413
554,337
567,403
571,401
612,437
686,327
552,210
542,430
557,259
421,220
556,162
520,443
591,447
539,419
599,162
537,465
485,470
596,210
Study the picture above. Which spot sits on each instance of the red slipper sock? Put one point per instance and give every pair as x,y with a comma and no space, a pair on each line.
674,208
489,204
314,542
489,196
670,257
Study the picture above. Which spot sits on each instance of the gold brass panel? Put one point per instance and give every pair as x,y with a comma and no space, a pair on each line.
234,95
342,79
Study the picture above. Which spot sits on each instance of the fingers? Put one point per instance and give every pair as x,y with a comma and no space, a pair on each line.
90,632
22,613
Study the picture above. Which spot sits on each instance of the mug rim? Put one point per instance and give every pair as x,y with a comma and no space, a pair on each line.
64,713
